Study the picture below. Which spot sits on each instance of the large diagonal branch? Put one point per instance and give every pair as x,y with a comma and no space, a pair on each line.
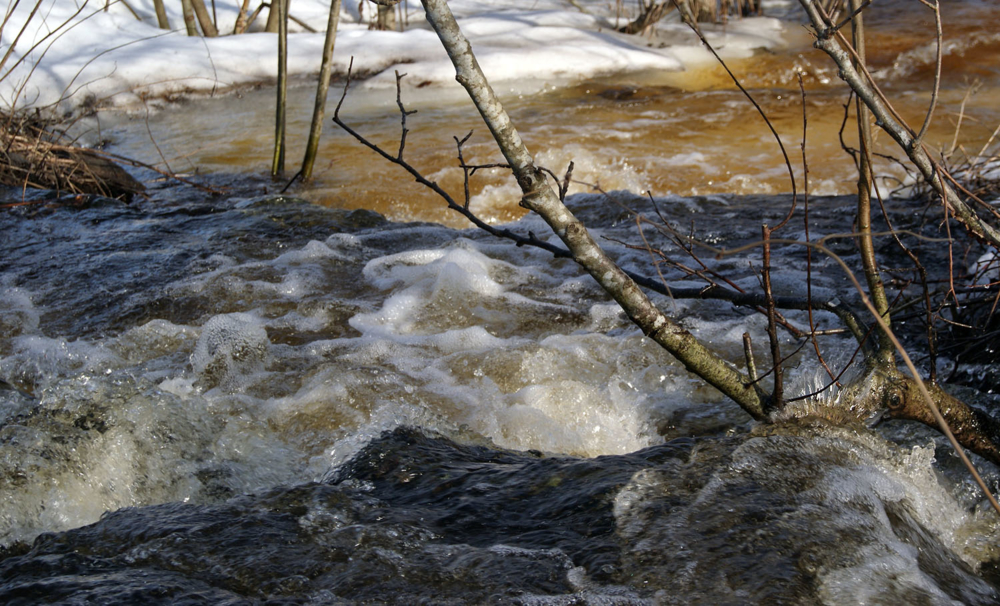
717,292
539,197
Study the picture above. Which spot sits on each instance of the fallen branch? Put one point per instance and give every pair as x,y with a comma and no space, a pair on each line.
30,158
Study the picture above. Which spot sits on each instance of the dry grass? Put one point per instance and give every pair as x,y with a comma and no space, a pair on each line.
33,156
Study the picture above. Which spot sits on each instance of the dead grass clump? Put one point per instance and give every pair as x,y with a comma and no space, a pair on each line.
34,156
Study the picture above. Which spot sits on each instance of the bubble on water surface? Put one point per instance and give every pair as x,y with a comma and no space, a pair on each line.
231,348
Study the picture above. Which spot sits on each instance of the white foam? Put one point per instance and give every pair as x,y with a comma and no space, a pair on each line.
41,361
312,251
153,339
439,288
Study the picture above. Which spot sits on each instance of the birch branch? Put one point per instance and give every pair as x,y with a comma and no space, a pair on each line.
539,197
827,41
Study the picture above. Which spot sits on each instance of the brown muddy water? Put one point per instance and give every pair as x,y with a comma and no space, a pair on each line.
683,133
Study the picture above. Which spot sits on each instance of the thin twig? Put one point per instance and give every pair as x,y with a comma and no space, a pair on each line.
788,163
403,113
936,7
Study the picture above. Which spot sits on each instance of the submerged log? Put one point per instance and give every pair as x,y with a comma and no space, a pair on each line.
31,157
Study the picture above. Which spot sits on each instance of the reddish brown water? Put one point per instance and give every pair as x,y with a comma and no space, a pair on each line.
687,132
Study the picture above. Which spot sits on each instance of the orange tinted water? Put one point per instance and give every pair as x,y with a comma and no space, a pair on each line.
684,133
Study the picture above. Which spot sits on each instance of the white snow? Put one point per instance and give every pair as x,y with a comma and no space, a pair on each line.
74,53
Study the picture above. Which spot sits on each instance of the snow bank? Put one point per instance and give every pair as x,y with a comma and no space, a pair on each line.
74,54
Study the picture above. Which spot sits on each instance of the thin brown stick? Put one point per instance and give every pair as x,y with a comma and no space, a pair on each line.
866,246
778,390
936,7
961,116
20,32
805,221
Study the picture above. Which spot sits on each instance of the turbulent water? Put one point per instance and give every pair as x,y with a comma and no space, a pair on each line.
282,402
250,398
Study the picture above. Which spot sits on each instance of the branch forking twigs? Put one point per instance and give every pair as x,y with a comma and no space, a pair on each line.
462,209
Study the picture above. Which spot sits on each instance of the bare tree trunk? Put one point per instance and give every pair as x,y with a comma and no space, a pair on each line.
385,19
539,197
204,19
241,18
189,19
272,15
278,161
703,11
319,109
161,15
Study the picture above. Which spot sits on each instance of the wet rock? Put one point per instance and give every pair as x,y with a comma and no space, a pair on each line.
799,518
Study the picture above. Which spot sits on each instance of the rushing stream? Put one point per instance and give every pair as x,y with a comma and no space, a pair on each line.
253,398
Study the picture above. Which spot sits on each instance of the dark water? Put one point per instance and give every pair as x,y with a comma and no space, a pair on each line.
258,400
421,519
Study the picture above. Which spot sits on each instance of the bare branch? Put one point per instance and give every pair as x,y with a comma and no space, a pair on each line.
788,164
899,132
936,7
539,197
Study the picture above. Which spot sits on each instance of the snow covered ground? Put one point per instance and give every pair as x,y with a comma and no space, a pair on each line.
74,53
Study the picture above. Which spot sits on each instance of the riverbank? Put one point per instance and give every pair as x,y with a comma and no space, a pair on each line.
85,57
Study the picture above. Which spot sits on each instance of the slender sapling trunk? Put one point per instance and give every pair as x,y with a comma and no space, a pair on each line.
319,109
241,18
278,162
204,19
189,18
161,15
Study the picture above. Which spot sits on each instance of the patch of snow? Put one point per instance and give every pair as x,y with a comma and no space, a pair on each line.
75,54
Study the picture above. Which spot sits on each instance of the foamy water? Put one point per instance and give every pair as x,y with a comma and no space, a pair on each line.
279,359
305,402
